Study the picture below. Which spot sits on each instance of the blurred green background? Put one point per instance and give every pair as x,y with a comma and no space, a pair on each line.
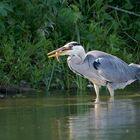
29,29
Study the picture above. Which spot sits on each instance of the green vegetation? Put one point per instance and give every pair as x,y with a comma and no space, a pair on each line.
29,29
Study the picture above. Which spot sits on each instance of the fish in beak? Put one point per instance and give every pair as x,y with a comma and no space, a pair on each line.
58,52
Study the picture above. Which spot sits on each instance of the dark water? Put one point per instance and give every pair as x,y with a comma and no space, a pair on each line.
71,117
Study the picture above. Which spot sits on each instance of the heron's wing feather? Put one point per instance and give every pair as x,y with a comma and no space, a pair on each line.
113,70
109,67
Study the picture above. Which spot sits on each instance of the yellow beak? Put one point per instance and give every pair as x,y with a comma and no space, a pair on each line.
57,52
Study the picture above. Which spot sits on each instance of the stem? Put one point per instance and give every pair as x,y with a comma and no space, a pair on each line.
49,83
122,10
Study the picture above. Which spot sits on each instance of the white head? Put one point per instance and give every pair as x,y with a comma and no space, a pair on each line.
72,49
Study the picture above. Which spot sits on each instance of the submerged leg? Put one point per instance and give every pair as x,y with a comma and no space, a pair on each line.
110,89
97,87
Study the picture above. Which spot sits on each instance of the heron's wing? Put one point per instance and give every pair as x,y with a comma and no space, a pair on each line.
108,67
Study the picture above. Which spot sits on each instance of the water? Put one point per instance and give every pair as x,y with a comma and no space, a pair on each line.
71,117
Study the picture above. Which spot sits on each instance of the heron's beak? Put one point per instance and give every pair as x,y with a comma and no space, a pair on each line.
58,52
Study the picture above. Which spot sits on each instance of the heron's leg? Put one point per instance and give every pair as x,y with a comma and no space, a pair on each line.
111,90
97,87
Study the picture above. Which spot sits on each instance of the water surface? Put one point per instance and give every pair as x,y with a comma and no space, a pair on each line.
71,117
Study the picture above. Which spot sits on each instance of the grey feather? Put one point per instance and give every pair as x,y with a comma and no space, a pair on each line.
136,68
138,76
111,68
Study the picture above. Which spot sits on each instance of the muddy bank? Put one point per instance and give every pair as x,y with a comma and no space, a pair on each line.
11,90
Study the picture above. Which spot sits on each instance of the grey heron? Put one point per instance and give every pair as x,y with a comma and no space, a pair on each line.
101,68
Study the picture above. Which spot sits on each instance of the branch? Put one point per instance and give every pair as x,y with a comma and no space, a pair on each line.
122,10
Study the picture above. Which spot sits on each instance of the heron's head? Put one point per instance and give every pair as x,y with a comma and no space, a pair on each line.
71,48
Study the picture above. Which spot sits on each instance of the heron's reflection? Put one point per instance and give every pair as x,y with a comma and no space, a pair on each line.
99,111
102,118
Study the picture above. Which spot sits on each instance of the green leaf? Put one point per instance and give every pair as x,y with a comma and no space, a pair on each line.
5,9
137,36
128,5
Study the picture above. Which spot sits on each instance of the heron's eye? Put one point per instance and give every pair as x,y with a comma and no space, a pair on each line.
70,47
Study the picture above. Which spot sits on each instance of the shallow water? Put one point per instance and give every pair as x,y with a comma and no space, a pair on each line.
66,116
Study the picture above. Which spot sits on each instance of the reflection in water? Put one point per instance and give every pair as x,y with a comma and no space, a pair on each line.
106,120
69,118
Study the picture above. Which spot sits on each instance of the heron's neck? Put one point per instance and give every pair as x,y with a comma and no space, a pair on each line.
77,59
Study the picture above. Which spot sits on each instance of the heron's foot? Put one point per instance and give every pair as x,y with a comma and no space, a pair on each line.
111,99
97,100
